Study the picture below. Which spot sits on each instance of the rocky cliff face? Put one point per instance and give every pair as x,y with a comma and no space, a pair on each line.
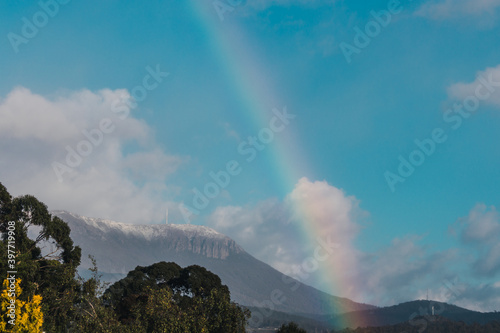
208,246
105,239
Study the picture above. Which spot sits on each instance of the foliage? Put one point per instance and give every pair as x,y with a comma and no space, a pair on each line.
91,314
291,327
28,314
51,275
165,298
155,311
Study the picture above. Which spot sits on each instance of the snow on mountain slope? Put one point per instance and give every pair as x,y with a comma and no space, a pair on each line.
148,231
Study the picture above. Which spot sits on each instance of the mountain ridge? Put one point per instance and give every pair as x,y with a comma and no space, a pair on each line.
119,248
151,232
418,313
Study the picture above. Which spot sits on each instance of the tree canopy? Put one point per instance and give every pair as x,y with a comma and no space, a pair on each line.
46,271
291,327
164,297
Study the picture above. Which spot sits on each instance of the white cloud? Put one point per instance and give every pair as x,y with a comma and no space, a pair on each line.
328,207
482,225
447,9
407,269
25,115
398,272
262,230
35,132
481,230
152,164
486,83
483,297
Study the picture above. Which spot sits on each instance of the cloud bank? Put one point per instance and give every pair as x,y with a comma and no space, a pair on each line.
486,82
483,12
37,134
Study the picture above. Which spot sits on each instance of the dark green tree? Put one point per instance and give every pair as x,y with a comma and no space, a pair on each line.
291,327
49,274
123,294
156,311
196,281
195,297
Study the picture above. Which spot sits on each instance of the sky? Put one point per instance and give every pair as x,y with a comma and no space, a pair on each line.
368,126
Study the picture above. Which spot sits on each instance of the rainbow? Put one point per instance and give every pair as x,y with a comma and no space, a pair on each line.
245,73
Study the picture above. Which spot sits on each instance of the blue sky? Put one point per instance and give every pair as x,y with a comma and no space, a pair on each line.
354,116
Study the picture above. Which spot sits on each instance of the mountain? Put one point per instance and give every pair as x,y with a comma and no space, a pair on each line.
119,248
413,316
416,313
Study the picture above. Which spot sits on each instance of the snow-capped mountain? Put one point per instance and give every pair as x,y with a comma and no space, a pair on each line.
181,237
119,248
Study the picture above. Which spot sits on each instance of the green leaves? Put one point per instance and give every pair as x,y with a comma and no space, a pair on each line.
52,274
165,298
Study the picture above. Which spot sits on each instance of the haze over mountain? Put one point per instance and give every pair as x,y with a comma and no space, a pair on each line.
119,248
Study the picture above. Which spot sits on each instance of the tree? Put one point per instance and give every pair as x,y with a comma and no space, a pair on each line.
166,298
220,314
91,313
49,274
291,327
26,316
123,294
156,312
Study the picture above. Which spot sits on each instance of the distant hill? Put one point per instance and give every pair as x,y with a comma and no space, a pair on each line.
417,313
119,248
437,325
414,314
401,318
